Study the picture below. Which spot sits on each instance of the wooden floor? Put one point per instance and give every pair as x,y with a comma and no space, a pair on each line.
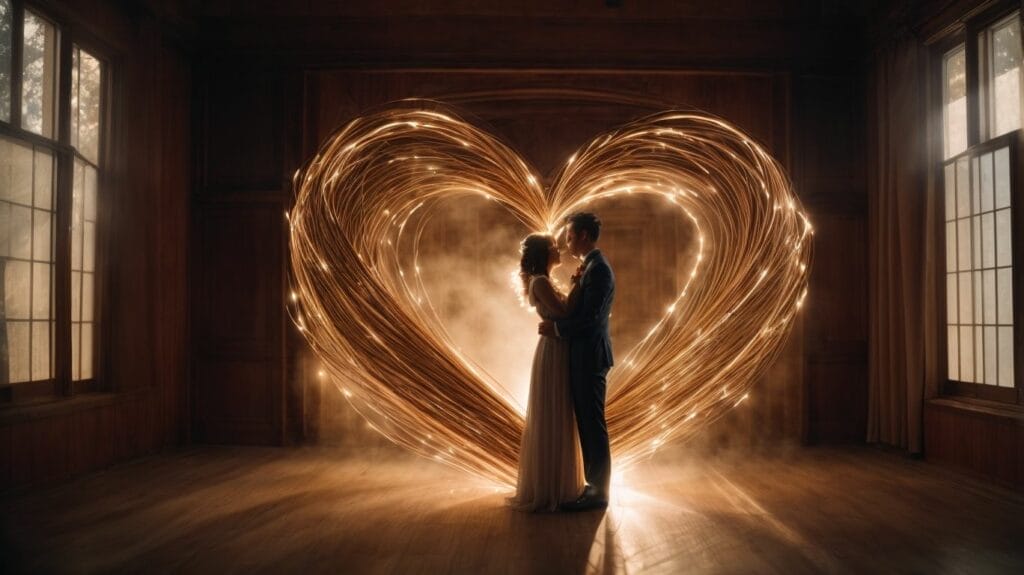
220,509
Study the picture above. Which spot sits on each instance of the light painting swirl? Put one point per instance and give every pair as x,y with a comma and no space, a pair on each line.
365,313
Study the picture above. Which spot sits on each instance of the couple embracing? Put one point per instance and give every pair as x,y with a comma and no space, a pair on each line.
564,459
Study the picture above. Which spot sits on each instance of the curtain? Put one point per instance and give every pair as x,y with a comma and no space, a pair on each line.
903,216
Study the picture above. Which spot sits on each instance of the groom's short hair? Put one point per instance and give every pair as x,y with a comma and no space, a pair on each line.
585,222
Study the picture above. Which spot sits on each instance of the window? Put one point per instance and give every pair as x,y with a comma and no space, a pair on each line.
50,190
981,121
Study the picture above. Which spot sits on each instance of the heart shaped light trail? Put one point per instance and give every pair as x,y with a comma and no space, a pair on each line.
365,312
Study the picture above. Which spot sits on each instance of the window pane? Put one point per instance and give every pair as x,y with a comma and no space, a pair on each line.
5,60
989,296
41,351
1003,237
966,303
86,91
950,246
21,232
991,363
951,300
963,188
17,289
1006,356
954,108
43,183
1005,295
978,297
979,354
1006,58
953,352
88,282
76,351
17,352
15,172
950,182
988,240
41,291
86,369
967,353
976,242
76,296
963,235
42,232
1002,159
985,167
39,66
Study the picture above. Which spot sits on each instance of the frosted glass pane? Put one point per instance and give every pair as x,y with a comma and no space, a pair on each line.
41,350
39,57
17,290
76,296
86,371
76,351
954,98
991,362
963,191
88,283
966,304
966,353
6,40
950,183
963,238
89,247
1006,356
975,186
5,229
976,242
89,198
951,299
986,177
21,232
1002,179
42,232
979,354
15,172
953,353
989,296
1004,288
988,241
43,180
1006,59
1004,252
18,351
950,246
85,104
977,296
40,291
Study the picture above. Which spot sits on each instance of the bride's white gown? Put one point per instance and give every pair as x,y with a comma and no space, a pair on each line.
550,462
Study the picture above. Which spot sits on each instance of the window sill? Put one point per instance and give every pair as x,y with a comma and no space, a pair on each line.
55,406
1010,413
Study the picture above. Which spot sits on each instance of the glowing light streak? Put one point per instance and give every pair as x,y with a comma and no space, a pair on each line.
380,339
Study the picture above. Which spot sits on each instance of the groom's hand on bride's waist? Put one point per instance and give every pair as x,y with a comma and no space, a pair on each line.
546,328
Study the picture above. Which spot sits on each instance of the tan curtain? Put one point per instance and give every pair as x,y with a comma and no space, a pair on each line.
902,218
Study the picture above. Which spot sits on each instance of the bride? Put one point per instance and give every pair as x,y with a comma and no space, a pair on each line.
550,463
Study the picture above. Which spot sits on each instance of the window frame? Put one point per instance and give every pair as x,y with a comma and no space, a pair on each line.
978,127
61,385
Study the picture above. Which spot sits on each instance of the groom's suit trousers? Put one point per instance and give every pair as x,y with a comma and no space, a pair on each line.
588,393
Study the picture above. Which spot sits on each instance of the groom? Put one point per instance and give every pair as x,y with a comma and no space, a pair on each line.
590,356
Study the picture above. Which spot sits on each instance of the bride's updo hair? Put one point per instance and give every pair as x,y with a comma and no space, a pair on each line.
535,251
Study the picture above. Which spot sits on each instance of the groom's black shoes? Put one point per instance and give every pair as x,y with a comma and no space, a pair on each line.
590,500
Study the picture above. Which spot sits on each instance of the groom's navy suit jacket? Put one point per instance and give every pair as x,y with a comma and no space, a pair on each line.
586,328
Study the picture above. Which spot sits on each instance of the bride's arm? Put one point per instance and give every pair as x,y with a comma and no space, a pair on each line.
547,295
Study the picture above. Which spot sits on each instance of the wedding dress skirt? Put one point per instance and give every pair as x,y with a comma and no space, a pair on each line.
550,461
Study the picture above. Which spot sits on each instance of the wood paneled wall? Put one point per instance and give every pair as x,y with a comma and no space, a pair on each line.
143,345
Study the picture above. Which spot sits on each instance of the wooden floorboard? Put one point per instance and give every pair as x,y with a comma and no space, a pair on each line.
236,509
